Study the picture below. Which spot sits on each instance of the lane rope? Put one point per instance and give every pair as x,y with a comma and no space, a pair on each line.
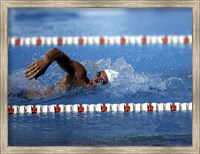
123,107
98,40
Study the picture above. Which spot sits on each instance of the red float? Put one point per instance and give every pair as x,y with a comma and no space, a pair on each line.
80,109
127,108
11,110
144,40
186,40
34,110
164,40
60,41
150,108
102,41
57,109
123,40
173,107
80,40
103,108
17,42
38,41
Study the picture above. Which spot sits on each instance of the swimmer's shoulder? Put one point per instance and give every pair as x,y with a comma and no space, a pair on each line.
78,65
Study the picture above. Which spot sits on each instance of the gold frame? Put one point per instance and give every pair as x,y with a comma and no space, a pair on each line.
5,4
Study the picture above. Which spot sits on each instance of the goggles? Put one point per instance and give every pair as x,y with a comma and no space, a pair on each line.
100,79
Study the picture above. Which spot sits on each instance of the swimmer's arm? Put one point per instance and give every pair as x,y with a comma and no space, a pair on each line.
63,60
39,67
74,69
80,74
48,92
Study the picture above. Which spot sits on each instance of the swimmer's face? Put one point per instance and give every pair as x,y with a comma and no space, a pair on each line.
100,78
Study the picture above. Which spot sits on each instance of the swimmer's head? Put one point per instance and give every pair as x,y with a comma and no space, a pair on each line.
111,75
103,77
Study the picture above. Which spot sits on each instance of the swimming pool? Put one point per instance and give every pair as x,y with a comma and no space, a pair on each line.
148,73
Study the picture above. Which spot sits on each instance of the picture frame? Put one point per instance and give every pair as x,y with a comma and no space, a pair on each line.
5,5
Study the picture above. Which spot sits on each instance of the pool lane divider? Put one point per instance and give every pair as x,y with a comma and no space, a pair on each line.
123,107
97,40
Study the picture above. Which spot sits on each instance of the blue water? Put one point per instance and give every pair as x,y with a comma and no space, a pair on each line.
95,129
148,73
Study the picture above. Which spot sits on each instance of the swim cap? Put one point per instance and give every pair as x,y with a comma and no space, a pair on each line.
111,74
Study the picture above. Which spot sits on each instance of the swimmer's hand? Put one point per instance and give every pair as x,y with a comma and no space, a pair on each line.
37,68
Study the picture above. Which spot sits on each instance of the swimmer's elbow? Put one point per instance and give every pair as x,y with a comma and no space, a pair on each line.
53,54
54,49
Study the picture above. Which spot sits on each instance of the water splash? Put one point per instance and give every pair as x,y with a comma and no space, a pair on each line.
18,82
129,82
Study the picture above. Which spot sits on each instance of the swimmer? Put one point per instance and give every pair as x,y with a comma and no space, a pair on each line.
76,73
